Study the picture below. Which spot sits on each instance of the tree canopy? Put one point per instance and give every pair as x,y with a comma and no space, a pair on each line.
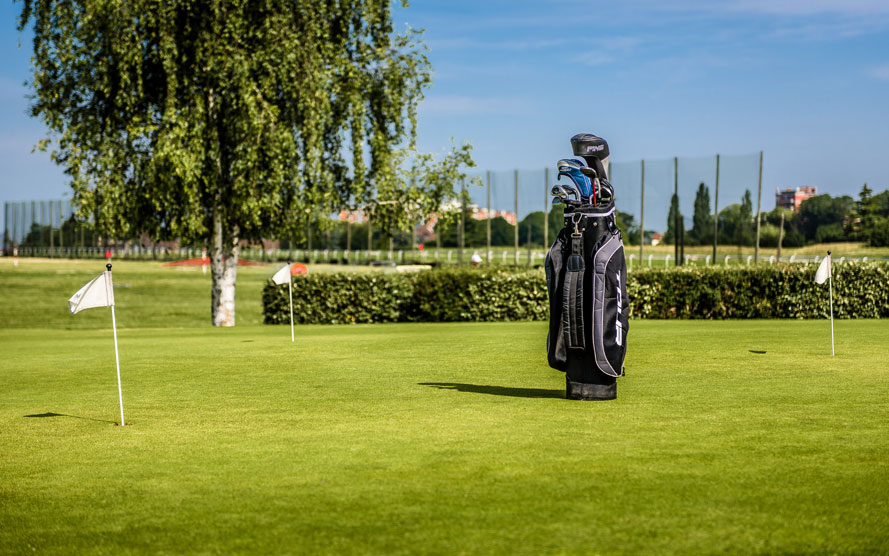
218,121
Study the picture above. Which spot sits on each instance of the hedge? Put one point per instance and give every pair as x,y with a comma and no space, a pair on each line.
861,290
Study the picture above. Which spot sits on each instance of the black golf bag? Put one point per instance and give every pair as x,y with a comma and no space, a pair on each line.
586,277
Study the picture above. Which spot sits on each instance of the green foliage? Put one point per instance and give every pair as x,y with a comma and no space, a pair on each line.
871,218
878,235
340,298
534,221
702,222
166,116
556,219
774,291
824,210
434,296
861,290
670,235
736,223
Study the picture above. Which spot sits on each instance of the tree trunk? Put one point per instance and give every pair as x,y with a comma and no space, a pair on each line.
224,270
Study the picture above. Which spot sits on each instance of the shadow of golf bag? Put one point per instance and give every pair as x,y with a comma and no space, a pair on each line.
586,276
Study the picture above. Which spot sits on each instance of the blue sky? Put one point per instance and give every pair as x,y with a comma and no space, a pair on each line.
807,82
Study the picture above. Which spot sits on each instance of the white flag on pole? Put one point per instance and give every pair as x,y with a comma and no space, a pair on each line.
823,272
282,276
99,292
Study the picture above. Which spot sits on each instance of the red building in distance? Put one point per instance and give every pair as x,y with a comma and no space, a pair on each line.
791,198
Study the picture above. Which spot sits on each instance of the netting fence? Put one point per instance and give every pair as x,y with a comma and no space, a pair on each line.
643,193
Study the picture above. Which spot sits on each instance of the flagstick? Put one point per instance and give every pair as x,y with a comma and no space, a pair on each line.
116,356
290,291
117,361
830,288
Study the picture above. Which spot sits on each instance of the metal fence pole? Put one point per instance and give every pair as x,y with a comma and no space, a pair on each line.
61,222
676,215
52,235
42,220
516,252
6,220
14,222
546,207
488,224
758,209
716,211
642,214
780,235
462,224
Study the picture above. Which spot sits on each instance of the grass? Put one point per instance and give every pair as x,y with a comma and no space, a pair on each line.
740,437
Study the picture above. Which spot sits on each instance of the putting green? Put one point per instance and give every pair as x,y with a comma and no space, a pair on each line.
726,437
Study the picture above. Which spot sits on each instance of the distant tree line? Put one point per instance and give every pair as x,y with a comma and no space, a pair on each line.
820,219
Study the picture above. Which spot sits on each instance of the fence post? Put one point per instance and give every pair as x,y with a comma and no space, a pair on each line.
758,207
488,223
52,235
642,215
462,224
676,224
780,234
40,224
61,223
716,211
516,252
546,207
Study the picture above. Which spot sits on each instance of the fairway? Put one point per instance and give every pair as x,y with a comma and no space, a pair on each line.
740,437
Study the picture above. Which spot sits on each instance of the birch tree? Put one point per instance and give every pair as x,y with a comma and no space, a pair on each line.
223,121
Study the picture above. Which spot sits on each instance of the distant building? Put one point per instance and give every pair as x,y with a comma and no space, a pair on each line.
656,238
355,217
791,198
482,214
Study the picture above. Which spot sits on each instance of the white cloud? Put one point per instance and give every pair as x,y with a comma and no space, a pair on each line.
812,7
880,72
459,105
776,7
470,43
831,31
594,58
607,49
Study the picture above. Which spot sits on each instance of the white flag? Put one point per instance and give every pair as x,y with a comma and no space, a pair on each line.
823,272
99,292
282,276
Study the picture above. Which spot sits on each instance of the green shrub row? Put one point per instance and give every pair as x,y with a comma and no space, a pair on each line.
861,290
439,295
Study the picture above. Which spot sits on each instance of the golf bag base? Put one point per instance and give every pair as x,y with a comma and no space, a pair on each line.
584,382
585,391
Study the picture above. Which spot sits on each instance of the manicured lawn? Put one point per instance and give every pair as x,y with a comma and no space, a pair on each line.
726,437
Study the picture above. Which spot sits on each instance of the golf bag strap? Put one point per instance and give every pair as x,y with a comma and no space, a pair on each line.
572,300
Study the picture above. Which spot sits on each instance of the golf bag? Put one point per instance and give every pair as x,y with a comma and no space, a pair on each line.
586,276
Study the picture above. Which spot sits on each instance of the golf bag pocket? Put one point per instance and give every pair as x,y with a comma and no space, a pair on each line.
610,307
572,302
